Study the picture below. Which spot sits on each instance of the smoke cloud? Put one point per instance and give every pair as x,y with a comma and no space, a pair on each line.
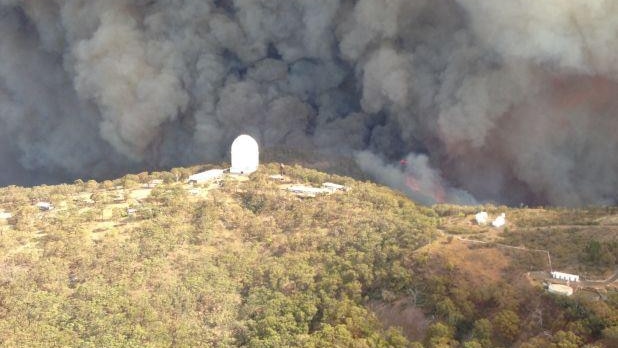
414,177
448,100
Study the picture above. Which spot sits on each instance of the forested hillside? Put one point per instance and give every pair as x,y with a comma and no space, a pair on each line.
246,263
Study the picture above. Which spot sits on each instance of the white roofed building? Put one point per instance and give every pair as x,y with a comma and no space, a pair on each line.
565,276
499,221
245,155
278,177
308,191
207,176
154,183
44,206
559,289
481,218
333,187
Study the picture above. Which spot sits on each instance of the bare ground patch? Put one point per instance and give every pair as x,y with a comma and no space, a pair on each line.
486,264
403,315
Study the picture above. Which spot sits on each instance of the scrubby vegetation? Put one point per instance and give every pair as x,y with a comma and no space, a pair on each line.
245,263
580,240
473,312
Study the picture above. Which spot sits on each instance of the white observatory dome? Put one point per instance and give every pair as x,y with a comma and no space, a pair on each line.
245,155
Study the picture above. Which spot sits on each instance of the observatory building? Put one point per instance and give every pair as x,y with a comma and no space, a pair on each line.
499,221
481,218
245,155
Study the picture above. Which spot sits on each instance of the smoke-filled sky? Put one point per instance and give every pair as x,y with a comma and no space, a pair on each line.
456,100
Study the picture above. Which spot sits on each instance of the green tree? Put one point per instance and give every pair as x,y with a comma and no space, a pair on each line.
611,334
439,335
482,332
472,344
506,325
108,184
536,342
593,251
91,185
447,310
566,339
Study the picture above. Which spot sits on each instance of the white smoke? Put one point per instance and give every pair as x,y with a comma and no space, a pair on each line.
509,101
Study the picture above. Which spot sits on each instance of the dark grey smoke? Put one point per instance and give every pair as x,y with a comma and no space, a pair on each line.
511,101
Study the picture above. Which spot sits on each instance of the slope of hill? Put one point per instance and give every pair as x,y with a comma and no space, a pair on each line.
247,263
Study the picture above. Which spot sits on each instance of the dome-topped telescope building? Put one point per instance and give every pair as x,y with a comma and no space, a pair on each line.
245,155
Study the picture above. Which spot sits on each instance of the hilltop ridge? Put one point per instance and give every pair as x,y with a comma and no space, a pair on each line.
149,260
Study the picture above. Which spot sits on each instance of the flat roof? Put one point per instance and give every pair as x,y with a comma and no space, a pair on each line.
556,273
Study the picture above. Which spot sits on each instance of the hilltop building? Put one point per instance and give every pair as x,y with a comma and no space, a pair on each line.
499,221
559,289
333,187
207,176
44,206
154,183
481,218
565,276
277,177
307,191
245,155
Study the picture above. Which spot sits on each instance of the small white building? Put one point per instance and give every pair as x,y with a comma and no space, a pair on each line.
559,289
565,276
307,191
44,206
277,177
499,221
245,155
333,187
207,176
154,183
481,218
5,215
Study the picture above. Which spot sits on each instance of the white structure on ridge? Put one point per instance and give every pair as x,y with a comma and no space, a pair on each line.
481,218
333,187
245,155
44,206
308,191
207,176
565,276
560,289
154,183
499,221
278,177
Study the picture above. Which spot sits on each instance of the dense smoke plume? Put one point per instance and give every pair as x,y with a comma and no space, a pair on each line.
510,101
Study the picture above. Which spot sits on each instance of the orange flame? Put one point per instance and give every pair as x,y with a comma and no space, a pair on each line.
436,190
